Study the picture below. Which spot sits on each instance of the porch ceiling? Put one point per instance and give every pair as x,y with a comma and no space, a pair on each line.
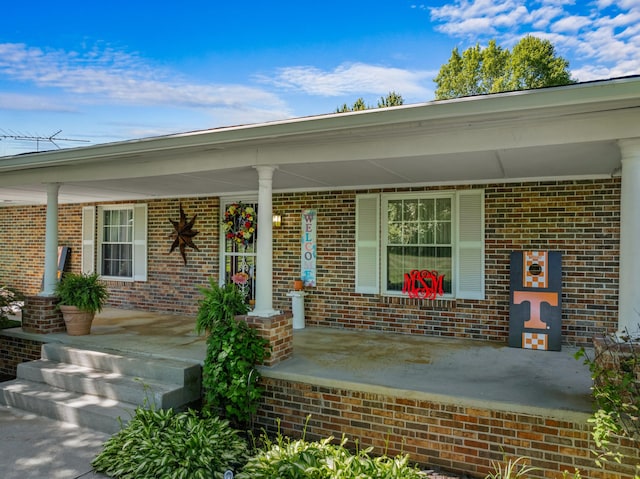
567,132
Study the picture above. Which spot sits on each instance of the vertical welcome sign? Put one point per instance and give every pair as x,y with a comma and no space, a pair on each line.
308,253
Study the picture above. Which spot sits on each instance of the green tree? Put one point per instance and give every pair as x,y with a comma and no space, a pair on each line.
392,99
532,63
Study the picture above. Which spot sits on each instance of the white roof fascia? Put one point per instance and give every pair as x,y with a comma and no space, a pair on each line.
584,97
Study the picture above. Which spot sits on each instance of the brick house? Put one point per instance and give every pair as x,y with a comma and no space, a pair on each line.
551,169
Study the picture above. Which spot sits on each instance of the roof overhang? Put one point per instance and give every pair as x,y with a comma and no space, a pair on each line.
563,132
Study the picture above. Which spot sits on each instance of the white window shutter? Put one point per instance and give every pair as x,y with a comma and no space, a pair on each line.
470,244
368,244
140,242
88,239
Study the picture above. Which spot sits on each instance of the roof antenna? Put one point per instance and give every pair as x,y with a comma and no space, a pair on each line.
51,138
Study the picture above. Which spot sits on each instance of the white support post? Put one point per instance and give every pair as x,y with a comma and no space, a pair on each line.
629,292
264,260
51,242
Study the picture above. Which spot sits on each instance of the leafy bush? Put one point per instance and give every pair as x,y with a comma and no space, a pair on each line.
10,302
616,391
219,303
165,444
229,376
298,459
85,291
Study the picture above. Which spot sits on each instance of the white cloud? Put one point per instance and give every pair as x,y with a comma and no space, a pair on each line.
570,24
601,36
353,78
16,101
104,75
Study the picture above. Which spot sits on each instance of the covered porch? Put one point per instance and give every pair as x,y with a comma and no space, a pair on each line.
455,371
452,404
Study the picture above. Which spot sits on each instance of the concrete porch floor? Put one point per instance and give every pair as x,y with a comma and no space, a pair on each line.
438,369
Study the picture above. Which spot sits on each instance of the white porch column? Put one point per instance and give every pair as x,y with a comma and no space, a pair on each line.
51,242
629,298
264,260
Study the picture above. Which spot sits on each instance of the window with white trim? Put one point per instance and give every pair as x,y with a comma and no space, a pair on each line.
397,233
121,240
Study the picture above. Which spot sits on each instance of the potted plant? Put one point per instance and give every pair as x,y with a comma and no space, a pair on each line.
80,297
220,303
298,284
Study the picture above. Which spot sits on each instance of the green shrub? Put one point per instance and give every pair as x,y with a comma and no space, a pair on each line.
164,444
616,391
298,459
84,291
230,379
219,303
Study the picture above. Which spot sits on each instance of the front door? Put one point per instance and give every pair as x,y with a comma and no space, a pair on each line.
239,229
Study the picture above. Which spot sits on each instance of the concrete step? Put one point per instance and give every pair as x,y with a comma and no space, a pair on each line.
80,379
86,410
164,370
99,389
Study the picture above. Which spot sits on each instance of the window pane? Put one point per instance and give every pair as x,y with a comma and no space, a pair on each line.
443,233
443,209
410,210
394,210
117,243
410,233
427,233
395,233
402,260
427,210
117,260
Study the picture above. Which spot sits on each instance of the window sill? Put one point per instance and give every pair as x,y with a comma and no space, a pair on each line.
440,304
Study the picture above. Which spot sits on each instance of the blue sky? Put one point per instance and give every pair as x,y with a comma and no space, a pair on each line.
118,70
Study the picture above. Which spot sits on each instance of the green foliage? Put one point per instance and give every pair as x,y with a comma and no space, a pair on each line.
532,63
392,99
165,444
616,391
220,303
511,469
10,300
85,291
230,378
285,458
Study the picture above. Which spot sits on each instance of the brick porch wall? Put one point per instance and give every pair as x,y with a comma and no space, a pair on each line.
14,351
456,438
579,218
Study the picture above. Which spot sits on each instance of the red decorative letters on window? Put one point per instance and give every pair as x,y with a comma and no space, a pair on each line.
423,284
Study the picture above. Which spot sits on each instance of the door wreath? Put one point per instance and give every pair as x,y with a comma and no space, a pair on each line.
239,223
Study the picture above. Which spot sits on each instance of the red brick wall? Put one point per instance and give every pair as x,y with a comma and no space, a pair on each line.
457,438
578,218
14,351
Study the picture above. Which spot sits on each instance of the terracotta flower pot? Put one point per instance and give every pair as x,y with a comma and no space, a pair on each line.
298,285
78,322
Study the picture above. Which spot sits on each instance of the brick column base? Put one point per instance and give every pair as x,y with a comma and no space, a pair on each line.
40,315
278,330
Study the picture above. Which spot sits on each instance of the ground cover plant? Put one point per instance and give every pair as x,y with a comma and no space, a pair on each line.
286,458
163,444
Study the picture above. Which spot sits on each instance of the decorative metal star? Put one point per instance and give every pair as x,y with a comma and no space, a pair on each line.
183,234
